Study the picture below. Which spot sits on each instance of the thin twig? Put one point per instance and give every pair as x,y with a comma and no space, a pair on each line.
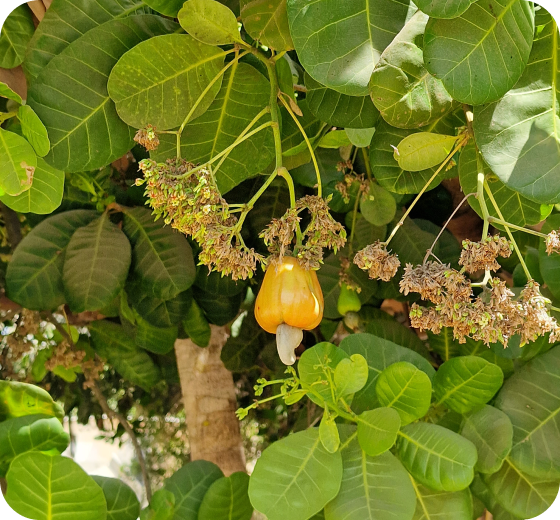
429,252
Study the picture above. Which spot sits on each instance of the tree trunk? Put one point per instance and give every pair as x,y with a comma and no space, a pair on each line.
210,403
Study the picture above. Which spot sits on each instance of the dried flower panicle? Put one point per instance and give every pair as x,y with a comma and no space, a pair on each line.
193,205
481,256
377,261
344,186
553,242
344,277
147,137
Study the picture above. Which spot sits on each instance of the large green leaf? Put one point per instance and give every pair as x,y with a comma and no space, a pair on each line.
34,130
159,340
267,22
405,388
444,8
520,494
321,29
161,507
30,433
441,505
481,492
7,92
17,163
16,33
522,148
481,54
43,487
66,21
295,477
217,285
240,352
443,344
160,313
379,354
70,94
394,331
466,382
244,93
161,258
377,430
34,275
550,264
166,7
437,457
373,488
217,309
424,150
189,485
21,399
122,503
227,499
45,194
491,431
531,399
515,208
113,343
401,88
96,265
196,326
339,109
158,81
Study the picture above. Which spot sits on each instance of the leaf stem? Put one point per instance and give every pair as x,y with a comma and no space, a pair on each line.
354,219
517,228
368,164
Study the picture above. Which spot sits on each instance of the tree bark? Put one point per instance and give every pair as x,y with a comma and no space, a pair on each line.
210,403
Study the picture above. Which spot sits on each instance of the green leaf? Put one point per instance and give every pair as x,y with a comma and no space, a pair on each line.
34,275
531,399
166,7
96,265
122,503
523,151
45,194
113,343
443,344
66,21
550,264
520,494
217,285
317,364
515,208
21,399
319,31
189,485
209,22
34,130
30,433
328,432
401,88
481,492
161,313
196,326
373,488
379,354
481,54
243,94
298,486
377,430
437,457
89,136
393,331
240,353
360,137
424,150
491,431
334,139
217,309
44,487
7,92
435,505
337,109
159,340
227,499
267,22
16,33
378,207
161,258
161,507
405,388
179,68
17,163
444,8
466,382
351,375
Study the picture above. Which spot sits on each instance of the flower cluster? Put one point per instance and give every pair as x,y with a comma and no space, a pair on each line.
192,204
322,232
344,277
147,137
481,256
380,263
345,185
553,242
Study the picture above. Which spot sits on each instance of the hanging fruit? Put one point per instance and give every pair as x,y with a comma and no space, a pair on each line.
290,301
348,300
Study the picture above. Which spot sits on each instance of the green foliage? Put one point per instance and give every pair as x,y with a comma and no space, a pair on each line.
17,163
122,503
21,399
377,430
15,36
227,499
267,22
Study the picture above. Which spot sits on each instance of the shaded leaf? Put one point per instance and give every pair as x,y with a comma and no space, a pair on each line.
443,344
122,503
209,22
393,331
196,326
217,309
241,352
378,207
34,130
550,264
161,507
166,7
267,22
480,491
436,505
159,340
227,499
444,8
16,33
161,313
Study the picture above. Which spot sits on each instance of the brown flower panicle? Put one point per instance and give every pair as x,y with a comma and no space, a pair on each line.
147,137
481,256
553,242
344,277
377,261
345,186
